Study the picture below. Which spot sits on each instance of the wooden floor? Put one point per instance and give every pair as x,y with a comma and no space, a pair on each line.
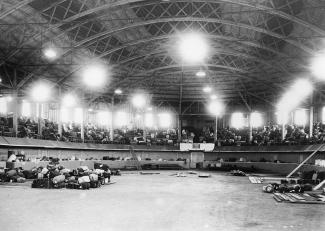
156,202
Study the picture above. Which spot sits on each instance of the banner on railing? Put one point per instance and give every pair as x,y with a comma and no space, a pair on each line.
207,147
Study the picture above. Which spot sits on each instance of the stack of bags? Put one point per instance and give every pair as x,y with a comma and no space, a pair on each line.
237,173
13,175
287,188
80,178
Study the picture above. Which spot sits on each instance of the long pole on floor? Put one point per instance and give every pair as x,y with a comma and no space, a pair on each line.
302,163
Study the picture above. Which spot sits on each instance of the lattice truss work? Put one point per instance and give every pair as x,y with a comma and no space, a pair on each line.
258,46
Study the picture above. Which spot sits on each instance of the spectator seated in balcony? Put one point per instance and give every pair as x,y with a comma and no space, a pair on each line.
4,125
95,134
71,132
27,128
50,131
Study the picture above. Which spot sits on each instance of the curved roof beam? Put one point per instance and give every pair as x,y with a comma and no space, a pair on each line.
14,8
107,33
212,36
238,70
137,42
110,6
159,52
162,52
254,5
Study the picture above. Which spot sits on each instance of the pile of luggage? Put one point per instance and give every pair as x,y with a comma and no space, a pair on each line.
54,176
287,188
13,175
237,173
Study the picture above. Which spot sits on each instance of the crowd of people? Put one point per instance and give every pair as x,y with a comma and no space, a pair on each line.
267,135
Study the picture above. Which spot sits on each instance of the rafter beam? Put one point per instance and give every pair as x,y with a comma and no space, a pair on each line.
15,7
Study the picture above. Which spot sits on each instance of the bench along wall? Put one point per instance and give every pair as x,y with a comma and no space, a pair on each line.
269,156
83,154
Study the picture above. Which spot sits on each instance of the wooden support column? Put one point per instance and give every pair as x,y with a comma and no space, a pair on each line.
311,121
283,131
180,108
111,124
311,115
250,133
59,113
82,125
39,119
15,113
216,130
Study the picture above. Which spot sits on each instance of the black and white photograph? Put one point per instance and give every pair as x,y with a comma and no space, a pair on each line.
162,115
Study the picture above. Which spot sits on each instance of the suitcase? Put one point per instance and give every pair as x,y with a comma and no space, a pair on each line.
94,184
106,175
21,180
59,185
11,173
41,183
58,179
83,179
93,177
72,185
85,185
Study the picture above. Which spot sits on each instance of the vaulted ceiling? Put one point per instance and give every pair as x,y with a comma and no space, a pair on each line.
258,47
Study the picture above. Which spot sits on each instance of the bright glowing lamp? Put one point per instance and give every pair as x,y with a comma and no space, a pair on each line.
118,91
215,108
69,100
50,53
323,115
121,119
297,93
302,87
237,120
318,66
207,89
41,92
8,98
201,74
139,101
26,111
103,118
164,120
300,117
282,117
193,48
256,119
94,76
64,115
78,115
148,120
3,106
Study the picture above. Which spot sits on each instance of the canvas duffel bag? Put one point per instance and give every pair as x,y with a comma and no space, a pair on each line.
93,177
21,180
44,171
11,173
85,185
83,179
58,179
